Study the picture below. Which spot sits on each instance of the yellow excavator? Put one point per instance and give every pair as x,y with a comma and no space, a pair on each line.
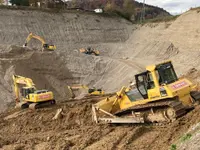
159,96
31,97
91,91
45,46
89,51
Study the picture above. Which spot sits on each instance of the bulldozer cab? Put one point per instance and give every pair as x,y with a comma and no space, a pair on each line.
166,73
155,76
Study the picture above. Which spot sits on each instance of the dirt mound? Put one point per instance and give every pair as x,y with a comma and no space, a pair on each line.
55,71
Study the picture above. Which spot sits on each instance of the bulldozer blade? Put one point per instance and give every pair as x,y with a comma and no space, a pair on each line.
114,119
119,120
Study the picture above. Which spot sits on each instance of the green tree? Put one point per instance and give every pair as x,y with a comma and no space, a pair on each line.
129,8
74,3
20,2
110,7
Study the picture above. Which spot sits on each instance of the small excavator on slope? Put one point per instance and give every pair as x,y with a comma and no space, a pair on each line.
31,97
45,46
91,91
90,51
159,97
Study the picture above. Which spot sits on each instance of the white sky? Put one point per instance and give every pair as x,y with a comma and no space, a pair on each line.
173,6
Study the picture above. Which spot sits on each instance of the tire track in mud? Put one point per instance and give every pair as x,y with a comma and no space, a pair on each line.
120,138
94,134
109,140
133,134
132,64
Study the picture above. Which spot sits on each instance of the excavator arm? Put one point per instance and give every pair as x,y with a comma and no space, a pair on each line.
20,80
44,44
30,36
28,39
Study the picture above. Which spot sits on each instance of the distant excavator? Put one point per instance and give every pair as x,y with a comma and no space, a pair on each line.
45,46
159,97
91,91
31,97
89,51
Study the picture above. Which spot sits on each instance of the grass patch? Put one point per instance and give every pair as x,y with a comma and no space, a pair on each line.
60,10
186,137
160,19
196,8
173,147
181,140
28,8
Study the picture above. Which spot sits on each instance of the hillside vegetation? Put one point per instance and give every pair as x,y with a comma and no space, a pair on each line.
129,9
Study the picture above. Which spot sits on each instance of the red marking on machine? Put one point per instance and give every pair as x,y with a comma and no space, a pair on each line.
45,96
179,85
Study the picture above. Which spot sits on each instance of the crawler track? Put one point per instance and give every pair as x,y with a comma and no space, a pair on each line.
157,112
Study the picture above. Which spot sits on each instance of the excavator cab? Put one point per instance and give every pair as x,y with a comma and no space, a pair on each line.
45,45
25,91
49,47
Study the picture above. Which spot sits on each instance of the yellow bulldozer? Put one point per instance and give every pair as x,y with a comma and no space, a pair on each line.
159,96
31,97
45,46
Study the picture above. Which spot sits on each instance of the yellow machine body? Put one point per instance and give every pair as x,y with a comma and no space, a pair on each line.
45,46
90,52
29,92
38,96
152,86
91,91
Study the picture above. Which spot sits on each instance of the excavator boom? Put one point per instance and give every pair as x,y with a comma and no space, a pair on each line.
45,46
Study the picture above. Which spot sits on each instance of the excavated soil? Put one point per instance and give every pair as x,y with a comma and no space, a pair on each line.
28,129
124,51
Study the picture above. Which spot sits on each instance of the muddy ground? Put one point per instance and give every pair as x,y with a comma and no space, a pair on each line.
28,129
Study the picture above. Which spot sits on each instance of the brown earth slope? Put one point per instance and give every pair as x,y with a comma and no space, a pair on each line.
29,129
